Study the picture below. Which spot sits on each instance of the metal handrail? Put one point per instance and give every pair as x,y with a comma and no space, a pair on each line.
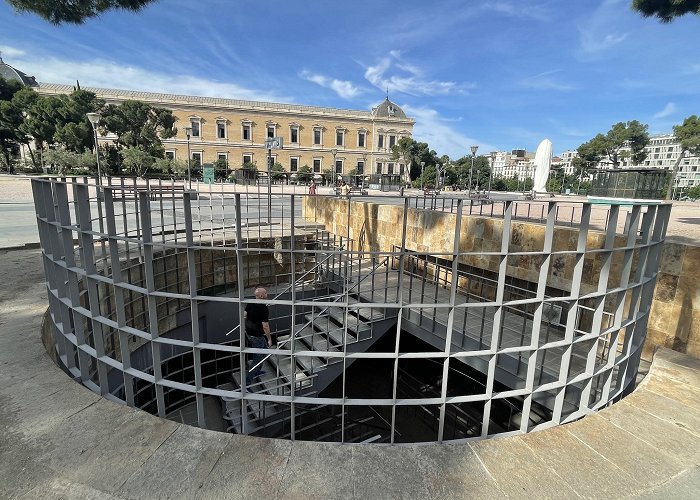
295,335
291,285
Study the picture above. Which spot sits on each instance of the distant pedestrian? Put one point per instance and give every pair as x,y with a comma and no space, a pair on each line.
312,187
344,189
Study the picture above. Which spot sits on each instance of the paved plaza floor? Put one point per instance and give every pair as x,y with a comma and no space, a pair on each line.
18,224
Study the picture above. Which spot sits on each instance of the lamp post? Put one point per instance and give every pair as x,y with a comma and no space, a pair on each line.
94,120
471,168
188,133
364,165
422,166
493,161
334,152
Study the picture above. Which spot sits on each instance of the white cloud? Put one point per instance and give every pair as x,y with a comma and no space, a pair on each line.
7,51
109,74
409,79
668,110
343,88
439,135
544,81
519,10
599,32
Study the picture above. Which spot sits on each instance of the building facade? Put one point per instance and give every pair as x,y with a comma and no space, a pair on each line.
235,131
324,139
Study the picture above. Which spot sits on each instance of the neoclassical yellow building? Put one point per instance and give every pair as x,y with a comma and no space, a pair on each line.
236,130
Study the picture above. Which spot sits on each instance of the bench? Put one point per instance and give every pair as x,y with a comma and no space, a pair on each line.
354,191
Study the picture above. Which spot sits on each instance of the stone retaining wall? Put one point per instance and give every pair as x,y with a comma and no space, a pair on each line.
675,314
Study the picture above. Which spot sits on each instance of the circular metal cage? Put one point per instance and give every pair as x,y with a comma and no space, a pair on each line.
395,319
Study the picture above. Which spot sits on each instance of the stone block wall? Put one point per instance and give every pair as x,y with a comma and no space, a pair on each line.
675,315
675,312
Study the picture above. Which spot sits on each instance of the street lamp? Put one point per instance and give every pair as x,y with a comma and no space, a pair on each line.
473,149
334,152
364,166
188,133
94,120
493,161
422,166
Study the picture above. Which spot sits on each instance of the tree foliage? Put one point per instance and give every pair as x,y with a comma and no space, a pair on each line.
304,174
413,153
137,160
688,134
666,10
138,124
614,145
72,11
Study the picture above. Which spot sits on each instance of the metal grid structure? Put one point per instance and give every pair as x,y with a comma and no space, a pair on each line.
147,288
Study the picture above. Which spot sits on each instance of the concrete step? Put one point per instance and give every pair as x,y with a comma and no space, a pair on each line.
354,324
290,372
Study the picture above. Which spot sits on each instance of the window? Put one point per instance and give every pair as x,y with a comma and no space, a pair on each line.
390,168
246,132
317,136
270,131
293,164
195,124
170,155
379,168
222,156
361,139
221,129
360,167
338,166
392,141
247,159
339,137
197,158
380,141
294,135
317,165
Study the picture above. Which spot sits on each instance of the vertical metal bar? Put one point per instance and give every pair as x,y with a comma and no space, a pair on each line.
450,319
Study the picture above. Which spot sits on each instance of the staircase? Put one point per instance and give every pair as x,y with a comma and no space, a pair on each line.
317,341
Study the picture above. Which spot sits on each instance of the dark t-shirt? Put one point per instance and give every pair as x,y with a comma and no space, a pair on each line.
256,315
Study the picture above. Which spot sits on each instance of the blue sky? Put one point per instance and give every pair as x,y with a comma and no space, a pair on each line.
502,74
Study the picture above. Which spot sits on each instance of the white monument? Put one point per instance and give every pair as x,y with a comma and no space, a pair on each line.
543,161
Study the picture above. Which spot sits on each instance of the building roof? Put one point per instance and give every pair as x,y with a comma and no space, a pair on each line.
388,109
9,73
119,95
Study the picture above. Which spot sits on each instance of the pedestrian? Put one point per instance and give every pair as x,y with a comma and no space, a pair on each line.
312,187
344,189
257,326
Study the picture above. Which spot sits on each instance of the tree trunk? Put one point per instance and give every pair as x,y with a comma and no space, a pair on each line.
674,173
31,154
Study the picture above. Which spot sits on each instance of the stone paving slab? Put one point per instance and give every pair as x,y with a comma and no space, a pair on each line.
60,440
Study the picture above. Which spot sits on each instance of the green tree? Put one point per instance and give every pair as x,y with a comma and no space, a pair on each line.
407,150
688,135
73,129
11,118
137,160
304,174
72,11
613,145
694,193
69,162
278,173
138,124
666,10
221,169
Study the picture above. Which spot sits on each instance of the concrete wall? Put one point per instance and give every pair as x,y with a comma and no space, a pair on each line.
675,314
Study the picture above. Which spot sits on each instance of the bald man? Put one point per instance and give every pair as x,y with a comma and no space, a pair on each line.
257,326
